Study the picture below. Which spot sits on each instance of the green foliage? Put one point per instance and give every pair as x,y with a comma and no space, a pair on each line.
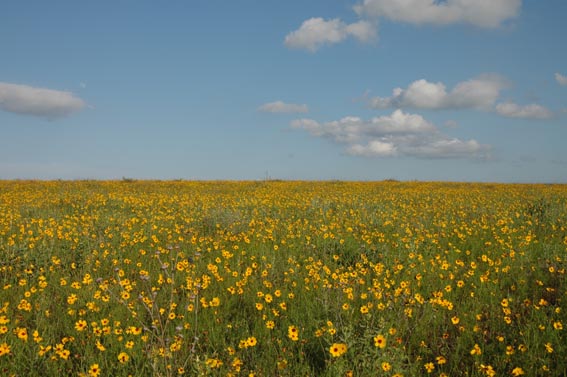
282,278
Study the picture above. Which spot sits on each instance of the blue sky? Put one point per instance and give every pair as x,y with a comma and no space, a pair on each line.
460,90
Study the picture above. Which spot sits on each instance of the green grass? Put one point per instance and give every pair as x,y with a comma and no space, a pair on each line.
206,278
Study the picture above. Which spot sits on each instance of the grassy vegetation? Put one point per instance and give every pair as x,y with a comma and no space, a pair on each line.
282,279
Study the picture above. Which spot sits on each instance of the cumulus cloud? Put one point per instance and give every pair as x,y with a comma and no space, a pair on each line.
438,146
41,102
562,80
316,32
282,107
531,111
478,93
374,148
397,134
446,147
353,129
481,13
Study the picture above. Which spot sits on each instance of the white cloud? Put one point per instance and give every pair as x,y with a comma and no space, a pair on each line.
282,107
374,148
478,93
399,134
445,147
353,129
481,13
562,80
364,31
531,111
434,145
316,32
47,103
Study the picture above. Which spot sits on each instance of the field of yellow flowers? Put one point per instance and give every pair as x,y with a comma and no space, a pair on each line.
272,278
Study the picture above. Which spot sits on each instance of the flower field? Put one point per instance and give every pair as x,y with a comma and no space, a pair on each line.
272,278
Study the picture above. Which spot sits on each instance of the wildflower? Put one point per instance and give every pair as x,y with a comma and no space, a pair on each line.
36,337
80,325
214,302
251,341
123,357
94,370
64,354
213,363
67,339
386,366
100,346
476,350
558,325
518,372
488,370
548,347
176,346
337,349
441,360
236,364
429,367
270,324
380,341
282,364
293,333
43,350
134,330
22,333
4,349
